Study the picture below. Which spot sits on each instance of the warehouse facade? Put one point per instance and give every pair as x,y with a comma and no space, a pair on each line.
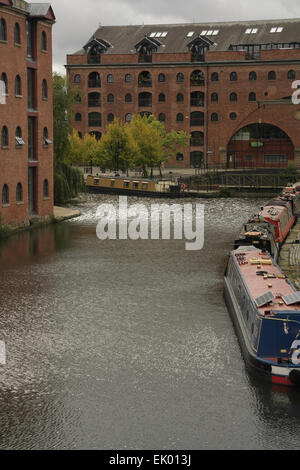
228,85
26,111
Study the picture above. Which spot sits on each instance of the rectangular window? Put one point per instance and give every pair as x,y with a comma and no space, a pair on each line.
32,154
30,39
31,88
274,158
190,34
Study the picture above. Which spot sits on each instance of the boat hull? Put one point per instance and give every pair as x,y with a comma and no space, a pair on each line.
257,367
138,193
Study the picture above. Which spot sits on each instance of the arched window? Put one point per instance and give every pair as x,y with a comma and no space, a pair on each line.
94,99
252,96
110,98
233,97
215,77
233,77
128,98
110,78
128,78
110,117
145,99
44,90
78,117
18,86
197,139
197,98
46,140
179,157
272,75
77,79
197,118
44,41
180,98
128,117
161,78
4,137
17,34
3,35
197,159
45,189
19,193
162,117
4,83
180,78
96,134
161,98
19,138
94,119
233,116
291,75
5,195
179,117
145,79
214,98
197,78
252,76
94,80
214,117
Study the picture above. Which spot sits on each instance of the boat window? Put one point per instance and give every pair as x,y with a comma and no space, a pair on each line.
112,183
144,185
135,184
96,181
126,184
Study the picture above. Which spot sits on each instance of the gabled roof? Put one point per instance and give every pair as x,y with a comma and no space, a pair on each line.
41,10
104,45
178,36
146,41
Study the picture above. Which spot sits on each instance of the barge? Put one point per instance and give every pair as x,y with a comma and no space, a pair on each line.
134,187
265,310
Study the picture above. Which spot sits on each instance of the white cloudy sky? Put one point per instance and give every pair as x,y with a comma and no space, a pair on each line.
77,20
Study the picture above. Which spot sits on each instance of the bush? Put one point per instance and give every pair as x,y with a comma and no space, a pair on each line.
68,182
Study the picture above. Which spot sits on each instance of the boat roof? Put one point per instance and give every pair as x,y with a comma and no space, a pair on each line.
269,292
274,209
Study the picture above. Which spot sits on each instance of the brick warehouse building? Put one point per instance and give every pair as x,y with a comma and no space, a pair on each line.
228,85
26,153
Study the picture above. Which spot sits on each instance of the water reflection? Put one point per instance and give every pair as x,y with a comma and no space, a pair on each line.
123,344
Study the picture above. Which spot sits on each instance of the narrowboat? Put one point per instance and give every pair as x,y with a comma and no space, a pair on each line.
261,235
292,192
133,187
265,309
278,212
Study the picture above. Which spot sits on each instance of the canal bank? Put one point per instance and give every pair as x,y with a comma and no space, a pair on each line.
60,214
289,259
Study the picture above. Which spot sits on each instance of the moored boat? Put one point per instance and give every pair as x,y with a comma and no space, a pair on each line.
133,187
265,309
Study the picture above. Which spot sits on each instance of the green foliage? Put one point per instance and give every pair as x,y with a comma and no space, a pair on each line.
290,172
67,181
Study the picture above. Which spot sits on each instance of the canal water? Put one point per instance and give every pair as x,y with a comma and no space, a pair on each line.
128,344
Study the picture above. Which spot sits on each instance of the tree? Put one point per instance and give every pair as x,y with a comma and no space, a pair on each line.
117,148
155,145
67,180
84,151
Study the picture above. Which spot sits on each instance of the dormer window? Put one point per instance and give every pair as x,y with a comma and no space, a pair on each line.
146,47
94,49
198,47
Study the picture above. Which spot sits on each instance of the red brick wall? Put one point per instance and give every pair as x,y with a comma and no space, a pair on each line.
14,161
216,134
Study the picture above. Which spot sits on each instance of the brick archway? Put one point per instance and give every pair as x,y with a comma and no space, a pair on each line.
260,145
